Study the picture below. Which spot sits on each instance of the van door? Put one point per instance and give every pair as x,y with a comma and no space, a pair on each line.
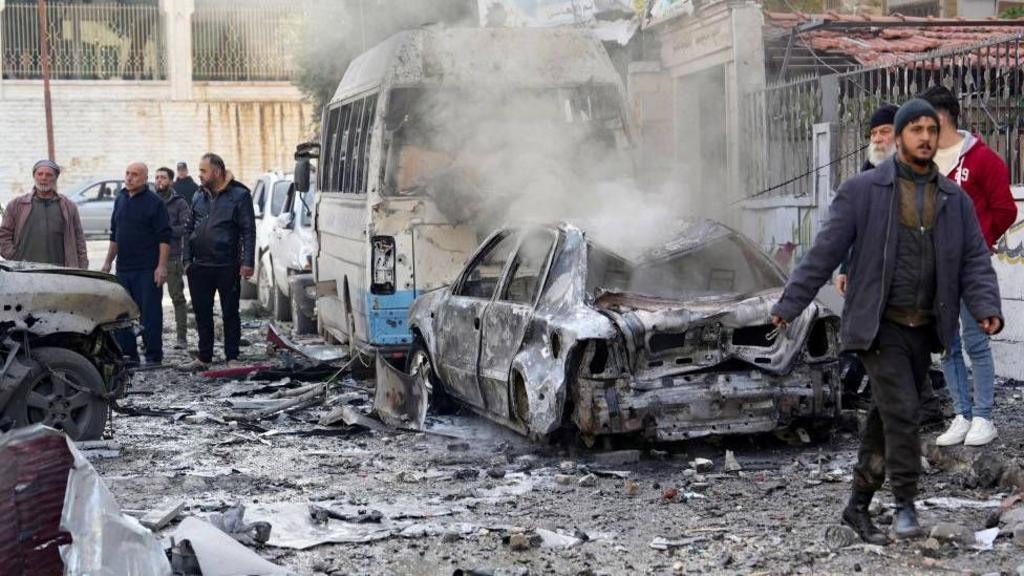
507,318
459,337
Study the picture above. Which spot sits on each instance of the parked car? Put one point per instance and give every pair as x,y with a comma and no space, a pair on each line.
290,254
59,363
548,328
268,201
95,200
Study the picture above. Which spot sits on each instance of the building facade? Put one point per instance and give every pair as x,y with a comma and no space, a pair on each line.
157,81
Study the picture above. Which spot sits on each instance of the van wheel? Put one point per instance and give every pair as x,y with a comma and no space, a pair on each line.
266,288
301,323
63,391
282,306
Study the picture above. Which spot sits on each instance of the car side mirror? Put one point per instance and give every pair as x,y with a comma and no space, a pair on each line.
285,220
301,176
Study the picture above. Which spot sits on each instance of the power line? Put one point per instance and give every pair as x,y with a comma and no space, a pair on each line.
810,172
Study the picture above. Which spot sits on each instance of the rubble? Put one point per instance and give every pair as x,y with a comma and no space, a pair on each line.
157,520
617,458
702,465
218,554
731,465
950,532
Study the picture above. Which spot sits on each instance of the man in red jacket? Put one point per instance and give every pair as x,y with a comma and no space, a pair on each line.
966,160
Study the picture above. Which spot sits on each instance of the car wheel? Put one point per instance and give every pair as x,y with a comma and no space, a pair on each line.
282,307
419,365
301,324
62,391
265,292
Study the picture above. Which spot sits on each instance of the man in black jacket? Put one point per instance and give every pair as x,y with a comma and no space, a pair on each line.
219,249
184,185
917,250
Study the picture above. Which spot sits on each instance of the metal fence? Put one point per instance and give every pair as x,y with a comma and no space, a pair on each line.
987,78
97,41
254,40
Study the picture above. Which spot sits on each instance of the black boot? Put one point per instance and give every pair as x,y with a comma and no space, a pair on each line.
856,516
904,522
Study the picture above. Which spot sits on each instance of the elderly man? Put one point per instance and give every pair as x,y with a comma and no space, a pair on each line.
140,239
43,226
220,244
917,249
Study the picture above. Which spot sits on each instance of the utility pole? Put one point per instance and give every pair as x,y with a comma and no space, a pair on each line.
44,56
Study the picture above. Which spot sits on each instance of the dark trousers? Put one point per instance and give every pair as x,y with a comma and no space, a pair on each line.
203,283
148,296
898,367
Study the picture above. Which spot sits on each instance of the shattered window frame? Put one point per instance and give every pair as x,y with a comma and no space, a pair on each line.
513,267
278,203
499,239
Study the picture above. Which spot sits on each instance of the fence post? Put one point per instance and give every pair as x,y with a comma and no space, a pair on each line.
178,31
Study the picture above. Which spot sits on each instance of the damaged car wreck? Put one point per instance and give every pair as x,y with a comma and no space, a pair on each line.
549,328
59,363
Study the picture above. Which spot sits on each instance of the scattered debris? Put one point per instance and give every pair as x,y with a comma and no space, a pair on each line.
519,542
400,400
984,539
157,519
617,458
496,472
661,543
218,554
466,474
563,479
702,465
950,532
950,503
322,353
232,522
838,537
731,465
588,481
632,487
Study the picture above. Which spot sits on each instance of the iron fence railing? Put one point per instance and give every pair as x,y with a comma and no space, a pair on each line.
98,41
779,156
253,40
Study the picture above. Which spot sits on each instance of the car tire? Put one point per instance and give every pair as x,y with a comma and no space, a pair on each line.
301,324
282,306
419,360
265,291
63,391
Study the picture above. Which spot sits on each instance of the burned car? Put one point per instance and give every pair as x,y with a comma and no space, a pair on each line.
548,328
59,363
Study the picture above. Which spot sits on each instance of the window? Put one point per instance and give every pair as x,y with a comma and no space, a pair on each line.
330,137
525,272
482,277
306,210
259,198
104,191
346,146
279,197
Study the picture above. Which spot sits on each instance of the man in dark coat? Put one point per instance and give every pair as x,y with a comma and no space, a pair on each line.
184,185
917,250
178,212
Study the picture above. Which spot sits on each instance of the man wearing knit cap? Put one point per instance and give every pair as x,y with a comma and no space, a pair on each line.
917,250
44,226
882,136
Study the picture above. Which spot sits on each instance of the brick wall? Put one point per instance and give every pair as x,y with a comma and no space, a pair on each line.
100,127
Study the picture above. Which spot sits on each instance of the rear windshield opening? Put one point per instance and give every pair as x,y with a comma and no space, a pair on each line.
727,268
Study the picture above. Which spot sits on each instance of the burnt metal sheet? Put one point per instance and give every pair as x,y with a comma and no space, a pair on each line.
400,400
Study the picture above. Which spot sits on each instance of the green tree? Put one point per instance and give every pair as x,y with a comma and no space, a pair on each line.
333,33
1012,13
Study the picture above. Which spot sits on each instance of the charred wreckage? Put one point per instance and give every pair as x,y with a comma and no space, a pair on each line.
548,329
59,363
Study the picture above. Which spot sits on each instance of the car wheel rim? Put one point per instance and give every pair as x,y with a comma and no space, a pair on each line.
56,400
419,368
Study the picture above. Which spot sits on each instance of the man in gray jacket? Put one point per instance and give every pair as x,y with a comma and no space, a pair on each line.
178,213
917,250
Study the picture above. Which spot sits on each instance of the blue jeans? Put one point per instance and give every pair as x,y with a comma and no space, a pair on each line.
148,296
982,367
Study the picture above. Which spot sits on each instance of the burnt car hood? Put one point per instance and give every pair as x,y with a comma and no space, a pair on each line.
666,337
41,299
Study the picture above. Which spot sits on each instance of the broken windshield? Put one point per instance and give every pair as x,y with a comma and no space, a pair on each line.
728,267
467,142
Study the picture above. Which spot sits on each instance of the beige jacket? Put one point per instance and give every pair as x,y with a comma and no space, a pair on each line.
16,215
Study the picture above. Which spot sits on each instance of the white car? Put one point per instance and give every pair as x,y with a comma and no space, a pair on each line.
95,201
268,202
290,255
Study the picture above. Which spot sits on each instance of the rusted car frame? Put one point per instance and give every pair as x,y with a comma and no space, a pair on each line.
576,350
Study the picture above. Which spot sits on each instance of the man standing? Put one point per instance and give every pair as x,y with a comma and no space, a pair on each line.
220,242
44,226
178,213
140,239
917,250
184,185
966,160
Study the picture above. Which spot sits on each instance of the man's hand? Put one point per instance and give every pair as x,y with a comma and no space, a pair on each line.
160,275
779,321
246,272
841,284
991,325
106,267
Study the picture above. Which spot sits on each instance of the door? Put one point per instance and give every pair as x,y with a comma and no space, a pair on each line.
459,337
507,318
281,232
97,206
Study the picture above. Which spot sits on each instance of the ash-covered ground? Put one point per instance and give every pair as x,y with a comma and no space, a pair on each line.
470,495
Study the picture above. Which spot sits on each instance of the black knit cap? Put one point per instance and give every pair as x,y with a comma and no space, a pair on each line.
912,110
884,115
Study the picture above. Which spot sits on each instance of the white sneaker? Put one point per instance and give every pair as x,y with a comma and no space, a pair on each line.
982,432
956,432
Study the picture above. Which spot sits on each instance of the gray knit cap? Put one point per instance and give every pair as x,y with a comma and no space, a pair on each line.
48,164
912,110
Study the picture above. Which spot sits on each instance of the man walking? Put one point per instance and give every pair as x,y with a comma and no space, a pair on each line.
917,250
184,185
966,160
220,242
140,240
44,226
178,213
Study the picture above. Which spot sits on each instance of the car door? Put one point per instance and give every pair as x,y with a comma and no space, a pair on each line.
507,318
459,336
96,206
280,206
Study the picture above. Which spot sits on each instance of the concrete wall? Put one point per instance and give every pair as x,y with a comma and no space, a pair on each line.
100,127
1008,347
